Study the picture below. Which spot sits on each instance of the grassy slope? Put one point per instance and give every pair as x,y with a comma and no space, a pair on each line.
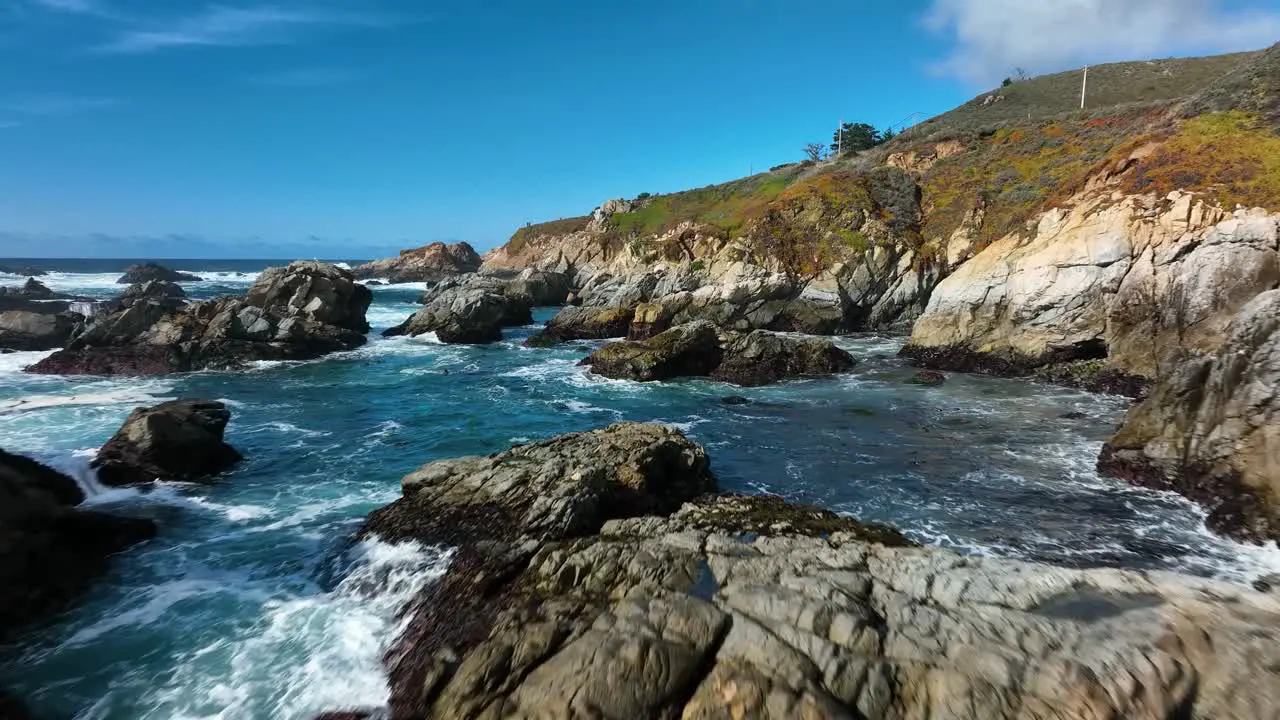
1216,118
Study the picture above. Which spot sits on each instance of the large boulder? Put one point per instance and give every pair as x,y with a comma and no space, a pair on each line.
698,349
426,263
299,312
176,440
146,272
471,311
33,330
560,601
1211,429
576,322
49,550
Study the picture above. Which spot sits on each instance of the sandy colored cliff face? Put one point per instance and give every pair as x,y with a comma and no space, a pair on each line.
1136,275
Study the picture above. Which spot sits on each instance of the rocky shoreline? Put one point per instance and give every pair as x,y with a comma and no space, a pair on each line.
600,574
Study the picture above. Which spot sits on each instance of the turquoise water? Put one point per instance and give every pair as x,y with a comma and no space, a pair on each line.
253,603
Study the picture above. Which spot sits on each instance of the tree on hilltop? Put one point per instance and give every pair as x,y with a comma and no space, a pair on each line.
854,137
815,151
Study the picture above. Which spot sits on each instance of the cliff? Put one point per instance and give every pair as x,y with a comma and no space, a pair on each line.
429,262
1112,248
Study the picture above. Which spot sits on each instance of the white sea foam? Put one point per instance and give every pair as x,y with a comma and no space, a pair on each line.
13,363
41,402
307,654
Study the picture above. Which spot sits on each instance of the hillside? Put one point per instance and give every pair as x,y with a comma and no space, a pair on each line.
1197,124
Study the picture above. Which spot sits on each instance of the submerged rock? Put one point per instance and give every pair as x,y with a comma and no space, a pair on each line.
25,270
928,378
562,601
1209,429
423,264
698,349
177,440
50,551
147,272
299,312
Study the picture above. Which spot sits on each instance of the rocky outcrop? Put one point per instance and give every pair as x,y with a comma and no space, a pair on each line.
49,550
427,263
147,272
731,606
32,289
1123,280
33,330
298,312
584,323
473,310
1211,429
698,349
176,440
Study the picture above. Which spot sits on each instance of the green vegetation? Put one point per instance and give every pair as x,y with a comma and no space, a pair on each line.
1232,156
1016,173
1027,102
526,234
724,207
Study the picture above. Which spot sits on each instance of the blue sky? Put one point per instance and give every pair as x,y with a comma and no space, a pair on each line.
338,128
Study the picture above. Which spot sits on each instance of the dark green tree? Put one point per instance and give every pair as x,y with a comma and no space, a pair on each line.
853,137
888,134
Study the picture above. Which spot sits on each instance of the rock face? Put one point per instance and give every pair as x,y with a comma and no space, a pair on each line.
50,551
32,289
745,607
177,440
427,263
32,330
471,310
699,349
1211,429
298,312
1124,281
146,272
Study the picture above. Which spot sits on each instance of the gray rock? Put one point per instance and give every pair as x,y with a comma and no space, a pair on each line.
1210,428
177,440
299,312
147,272
470,310
699,349
32,330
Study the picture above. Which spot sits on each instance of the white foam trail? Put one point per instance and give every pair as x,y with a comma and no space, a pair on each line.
307,654
41,402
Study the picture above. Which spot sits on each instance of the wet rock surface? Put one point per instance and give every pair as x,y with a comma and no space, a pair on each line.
35,330
470,312
699,349
752,607
298,312
49,550
177,440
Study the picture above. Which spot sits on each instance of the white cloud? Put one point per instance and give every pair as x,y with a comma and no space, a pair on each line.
86,7
303,77
992,36
222,26
56,105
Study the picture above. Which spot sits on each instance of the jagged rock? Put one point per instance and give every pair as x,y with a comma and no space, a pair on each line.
424,264
699,349
649,320
763,358
32,330
299,312
472,311
1211,428
49,551
32,289
735,606
167,294
146,272
176,440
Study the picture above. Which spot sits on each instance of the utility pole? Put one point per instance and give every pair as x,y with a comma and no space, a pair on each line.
1084,86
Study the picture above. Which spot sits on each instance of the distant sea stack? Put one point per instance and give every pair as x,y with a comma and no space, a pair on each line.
146,272
424,264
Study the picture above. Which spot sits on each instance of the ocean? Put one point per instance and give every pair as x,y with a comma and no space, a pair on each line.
254,601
